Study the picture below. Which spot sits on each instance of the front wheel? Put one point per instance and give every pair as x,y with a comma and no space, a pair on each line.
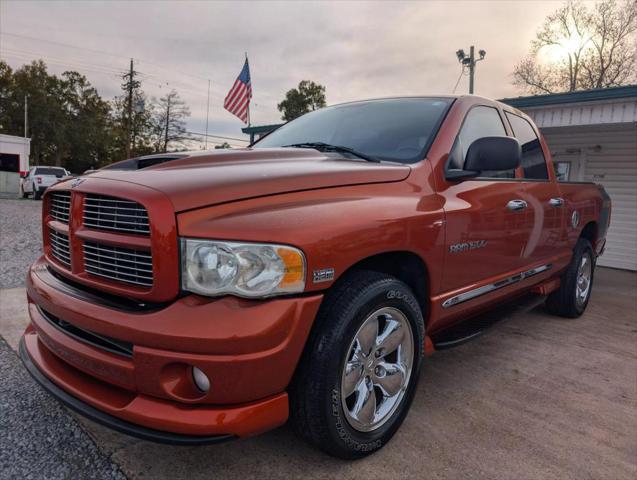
571,299
359,371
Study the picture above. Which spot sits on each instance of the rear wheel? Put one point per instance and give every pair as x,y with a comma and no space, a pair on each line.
571,299
359,371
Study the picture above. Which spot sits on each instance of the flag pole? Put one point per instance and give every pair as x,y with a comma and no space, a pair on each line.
207,114
248,98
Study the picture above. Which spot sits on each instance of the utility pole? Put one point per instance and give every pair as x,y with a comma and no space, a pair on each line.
470,61
130,85
26,117
167,122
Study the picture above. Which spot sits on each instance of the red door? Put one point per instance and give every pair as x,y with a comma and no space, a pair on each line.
486,224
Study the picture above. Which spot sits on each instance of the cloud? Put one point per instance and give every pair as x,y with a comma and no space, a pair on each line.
357,49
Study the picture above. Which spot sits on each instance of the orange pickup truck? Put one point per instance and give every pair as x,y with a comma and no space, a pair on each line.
191,298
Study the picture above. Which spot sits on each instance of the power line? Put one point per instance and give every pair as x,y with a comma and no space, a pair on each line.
219,136
102,52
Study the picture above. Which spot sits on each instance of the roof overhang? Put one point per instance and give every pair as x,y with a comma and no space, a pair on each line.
591,107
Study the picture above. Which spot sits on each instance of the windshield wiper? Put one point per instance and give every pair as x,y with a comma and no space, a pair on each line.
326,147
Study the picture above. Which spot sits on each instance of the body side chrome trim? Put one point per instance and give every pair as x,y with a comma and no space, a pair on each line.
484,289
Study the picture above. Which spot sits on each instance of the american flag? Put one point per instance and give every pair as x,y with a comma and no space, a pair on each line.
237,101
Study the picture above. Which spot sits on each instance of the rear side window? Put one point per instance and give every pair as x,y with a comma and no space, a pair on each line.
533,161
480,122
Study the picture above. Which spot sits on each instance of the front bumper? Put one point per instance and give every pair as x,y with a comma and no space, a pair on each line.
249,350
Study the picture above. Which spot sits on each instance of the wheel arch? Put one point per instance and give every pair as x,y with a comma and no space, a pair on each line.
406,266
590,233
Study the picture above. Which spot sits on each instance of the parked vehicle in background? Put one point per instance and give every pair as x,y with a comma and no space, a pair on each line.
38,179
213,294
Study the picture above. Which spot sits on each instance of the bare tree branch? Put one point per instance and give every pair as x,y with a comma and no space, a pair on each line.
597,48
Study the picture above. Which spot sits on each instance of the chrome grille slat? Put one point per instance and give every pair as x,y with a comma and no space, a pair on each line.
60,249
119,263
60,206
96,217
118,229
109,213
107,247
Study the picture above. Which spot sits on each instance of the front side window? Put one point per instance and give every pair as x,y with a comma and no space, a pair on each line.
533,161
397,130
480,122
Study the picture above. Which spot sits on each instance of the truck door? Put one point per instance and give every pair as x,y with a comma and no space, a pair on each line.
546,207
486,225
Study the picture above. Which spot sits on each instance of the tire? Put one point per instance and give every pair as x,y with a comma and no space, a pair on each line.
570,300
321,411
37,194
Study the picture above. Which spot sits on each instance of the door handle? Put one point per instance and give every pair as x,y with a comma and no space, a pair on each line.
516,205
556,202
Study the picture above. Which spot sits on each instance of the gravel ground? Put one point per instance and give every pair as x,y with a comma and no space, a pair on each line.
20,239
39,438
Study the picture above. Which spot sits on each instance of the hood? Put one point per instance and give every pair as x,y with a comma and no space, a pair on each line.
210,178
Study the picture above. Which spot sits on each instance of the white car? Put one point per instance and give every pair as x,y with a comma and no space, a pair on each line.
38,179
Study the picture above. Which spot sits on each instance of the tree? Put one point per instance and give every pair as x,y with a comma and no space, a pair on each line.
579,47
308,97
143,127
169,122
69,123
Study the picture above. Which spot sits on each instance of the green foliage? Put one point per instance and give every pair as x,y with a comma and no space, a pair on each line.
70,125
307,97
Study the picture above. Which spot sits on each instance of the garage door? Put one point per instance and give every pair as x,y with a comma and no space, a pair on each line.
607,155
615,167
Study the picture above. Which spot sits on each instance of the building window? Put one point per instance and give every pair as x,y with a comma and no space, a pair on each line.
562,171
9,162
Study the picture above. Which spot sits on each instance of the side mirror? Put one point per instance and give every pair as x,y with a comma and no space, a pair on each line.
493,153
489,154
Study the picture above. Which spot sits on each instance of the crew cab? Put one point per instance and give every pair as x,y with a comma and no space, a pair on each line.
38,179
196,297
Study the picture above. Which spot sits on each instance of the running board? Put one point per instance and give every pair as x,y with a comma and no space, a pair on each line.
467,330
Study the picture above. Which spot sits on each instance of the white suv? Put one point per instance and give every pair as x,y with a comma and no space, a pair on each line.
40,178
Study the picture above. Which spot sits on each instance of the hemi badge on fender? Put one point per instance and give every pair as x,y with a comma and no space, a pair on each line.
323,275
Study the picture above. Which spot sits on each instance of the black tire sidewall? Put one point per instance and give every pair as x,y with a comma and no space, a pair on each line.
389,294
584,247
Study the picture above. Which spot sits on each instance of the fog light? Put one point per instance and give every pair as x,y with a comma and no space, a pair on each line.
200,379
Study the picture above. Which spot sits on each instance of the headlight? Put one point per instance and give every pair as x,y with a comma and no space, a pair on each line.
245,269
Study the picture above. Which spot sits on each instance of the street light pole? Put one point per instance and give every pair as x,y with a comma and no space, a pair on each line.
470,62
472,68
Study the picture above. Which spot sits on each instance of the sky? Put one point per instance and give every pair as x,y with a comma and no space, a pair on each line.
358,50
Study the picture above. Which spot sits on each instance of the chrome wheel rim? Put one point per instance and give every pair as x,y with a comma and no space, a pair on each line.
377,369
583,285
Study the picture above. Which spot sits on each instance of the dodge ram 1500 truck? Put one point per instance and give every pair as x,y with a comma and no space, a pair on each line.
195,297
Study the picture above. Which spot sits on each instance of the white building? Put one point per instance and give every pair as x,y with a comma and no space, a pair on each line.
14,159
592,136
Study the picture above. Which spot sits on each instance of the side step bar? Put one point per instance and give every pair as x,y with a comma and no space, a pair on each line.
467,330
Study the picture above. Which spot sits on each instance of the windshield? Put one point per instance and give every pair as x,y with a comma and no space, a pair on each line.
58,172
398,130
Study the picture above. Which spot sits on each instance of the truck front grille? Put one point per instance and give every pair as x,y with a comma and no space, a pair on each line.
61,206
60,247
118,263
109,213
